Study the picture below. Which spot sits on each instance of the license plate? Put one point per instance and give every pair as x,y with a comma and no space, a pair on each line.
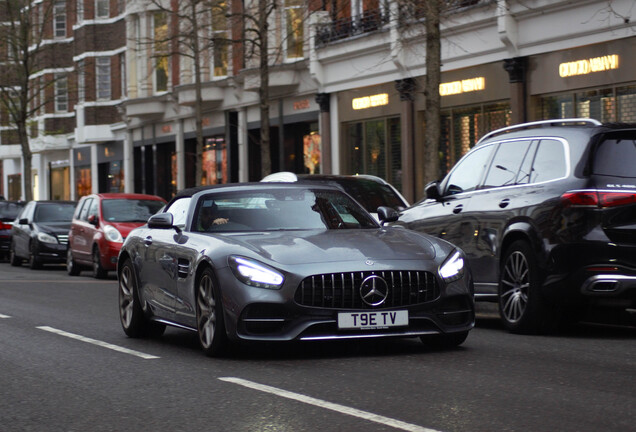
372,320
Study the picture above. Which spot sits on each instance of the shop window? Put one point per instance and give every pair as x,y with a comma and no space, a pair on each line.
462,128
373,147
83,182
215,161
626,104
14,187
60,182
311,152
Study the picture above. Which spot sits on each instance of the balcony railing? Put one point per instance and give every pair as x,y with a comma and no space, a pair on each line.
344,28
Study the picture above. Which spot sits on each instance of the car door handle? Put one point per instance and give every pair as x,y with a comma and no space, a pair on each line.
504,203
458,208
148,241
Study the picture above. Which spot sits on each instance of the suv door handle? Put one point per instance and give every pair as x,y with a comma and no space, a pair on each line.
504,203
458,208
148,241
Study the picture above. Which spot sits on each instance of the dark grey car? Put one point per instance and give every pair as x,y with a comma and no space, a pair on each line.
281,262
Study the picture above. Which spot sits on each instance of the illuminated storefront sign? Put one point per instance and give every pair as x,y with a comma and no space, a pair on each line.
370,101
587,66
463,86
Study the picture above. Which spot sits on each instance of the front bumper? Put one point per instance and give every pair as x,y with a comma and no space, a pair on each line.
256,314
51,253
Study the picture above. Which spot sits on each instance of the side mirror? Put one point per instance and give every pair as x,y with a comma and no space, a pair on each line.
23,221
92,219
432,191
160,221
387,214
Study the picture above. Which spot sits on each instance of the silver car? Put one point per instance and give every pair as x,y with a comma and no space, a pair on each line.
283,262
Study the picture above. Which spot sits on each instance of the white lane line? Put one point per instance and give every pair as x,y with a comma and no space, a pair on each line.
4,316
98,343
397,424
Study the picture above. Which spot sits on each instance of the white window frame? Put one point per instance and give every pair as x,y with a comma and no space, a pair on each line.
81,81
103,87
99,6
61,92
59,19
80,10
222,34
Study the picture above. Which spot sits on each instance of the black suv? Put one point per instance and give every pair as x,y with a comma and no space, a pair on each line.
546,214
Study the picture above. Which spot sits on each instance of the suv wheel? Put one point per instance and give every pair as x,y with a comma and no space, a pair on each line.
98,271
521,305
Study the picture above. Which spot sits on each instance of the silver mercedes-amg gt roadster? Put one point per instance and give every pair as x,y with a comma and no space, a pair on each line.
283,262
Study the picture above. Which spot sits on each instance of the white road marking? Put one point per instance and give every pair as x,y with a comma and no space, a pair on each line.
397,424
98,343
4,316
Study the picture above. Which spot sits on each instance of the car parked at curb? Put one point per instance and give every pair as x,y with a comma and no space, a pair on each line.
546,214
101,223
9,210
289,261
40,233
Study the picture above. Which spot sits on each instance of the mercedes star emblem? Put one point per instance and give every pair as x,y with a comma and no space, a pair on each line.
374,290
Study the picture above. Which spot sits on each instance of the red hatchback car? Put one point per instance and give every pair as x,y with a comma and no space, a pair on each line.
100,225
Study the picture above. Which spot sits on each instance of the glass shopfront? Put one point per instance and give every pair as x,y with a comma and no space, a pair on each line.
215,163
110,167
371,132
82,167
60,180
594,81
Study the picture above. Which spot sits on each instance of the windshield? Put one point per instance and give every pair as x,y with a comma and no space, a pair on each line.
54,212
371,194
129,210
10,210
279,209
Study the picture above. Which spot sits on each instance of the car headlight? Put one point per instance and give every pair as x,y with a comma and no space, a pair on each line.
47,238
112,234
255,273
453,267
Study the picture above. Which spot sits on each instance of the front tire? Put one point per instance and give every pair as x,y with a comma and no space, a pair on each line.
521,305
98,270
14,260
34,262
71,266
133,320
210,325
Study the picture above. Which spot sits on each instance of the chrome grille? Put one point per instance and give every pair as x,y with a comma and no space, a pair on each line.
62,238
342,290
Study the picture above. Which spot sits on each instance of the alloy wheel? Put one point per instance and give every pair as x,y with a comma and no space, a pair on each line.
206,311
126,299
515,282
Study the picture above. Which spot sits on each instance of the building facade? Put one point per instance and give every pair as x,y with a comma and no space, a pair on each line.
346,89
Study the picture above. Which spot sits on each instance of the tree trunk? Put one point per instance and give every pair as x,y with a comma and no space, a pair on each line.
433,76
198,116
27,157
263,91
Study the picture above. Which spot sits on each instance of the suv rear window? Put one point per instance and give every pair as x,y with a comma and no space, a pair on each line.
616,158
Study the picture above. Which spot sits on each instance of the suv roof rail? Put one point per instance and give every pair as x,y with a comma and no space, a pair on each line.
553,122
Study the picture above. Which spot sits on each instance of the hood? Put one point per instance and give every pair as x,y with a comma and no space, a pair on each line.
125,227
294,247
54,227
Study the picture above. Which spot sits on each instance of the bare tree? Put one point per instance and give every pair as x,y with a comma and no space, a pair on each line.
24,54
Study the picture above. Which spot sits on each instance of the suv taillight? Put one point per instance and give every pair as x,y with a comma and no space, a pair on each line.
5,226
599,199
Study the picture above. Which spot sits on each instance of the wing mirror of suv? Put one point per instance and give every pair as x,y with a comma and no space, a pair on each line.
432,191
387,214
161,221
92,219
23,221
